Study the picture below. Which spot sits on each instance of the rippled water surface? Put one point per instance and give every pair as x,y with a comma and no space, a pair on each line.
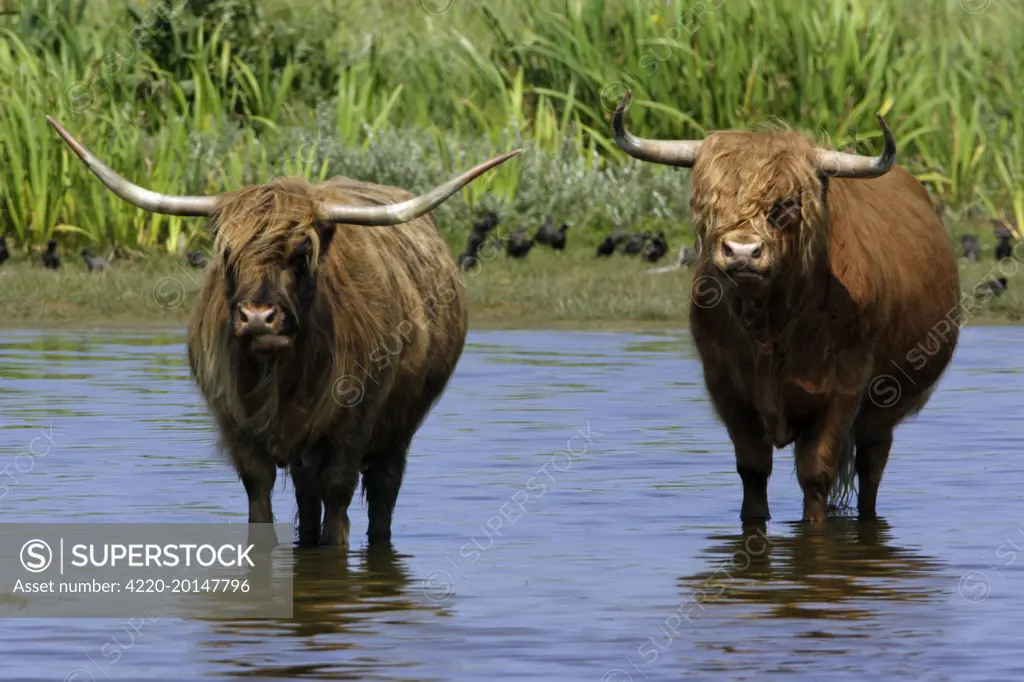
623,560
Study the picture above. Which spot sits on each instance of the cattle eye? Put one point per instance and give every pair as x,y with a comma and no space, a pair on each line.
300,255
785,213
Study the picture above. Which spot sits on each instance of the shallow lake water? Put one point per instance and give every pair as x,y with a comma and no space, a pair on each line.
625,561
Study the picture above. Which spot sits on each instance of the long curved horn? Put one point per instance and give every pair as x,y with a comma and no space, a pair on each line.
406,210
145,199
843,165
669,152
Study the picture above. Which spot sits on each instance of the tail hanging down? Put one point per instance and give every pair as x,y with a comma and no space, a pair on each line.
844,485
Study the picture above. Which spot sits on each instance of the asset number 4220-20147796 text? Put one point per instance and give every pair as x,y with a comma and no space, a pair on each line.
186,585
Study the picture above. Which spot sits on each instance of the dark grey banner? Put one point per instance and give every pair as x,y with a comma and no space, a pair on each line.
154,570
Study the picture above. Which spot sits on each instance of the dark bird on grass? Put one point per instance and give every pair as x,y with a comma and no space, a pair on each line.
4,253
477,235
610,243
546,231
549,236
687,257
657,249
196,259
484,224
1003,248
635,243
50,258
972,249
558,241
991,287
487,221
468,260
519,244
1003,234
94,262
474,241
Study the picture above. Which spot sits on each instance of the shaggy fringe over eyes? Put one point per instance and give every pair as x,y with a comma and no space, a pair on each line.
739,175
264,223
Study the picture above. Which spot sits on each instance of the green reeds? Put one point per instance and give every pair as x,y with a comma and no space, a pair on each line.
181,98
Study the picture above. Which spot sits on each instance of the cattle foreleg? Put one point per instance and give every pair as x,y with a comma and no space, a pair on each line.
754,465
753,455
818,453
258,474
307,498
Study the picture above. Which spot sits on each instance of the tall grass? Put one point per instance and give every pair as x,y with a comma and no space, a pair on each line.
196,96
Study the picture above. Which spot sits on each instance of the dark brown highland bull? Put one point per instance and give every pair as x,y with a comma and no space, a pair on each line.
825,303
318,345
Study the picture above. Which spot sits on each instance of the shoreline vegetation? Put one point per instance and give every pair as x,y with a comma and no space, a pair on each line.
571,290
203,96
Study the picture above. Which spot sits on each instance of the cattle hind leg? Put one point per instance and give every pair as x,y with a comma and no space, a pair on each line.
823,457
382,481
872,456
385,459
384,466
337,477
873,435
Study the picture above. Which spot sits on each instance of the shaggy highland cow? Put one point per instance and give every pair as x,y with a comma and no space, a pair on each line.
825,304
320,346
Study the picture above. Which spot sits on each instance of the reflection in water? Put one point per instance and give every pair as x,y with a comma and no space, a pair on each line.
821,600
814,573
334,602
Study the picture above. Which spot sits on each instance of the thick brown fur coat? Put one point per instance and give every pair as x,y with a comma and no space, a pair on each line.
382,321
854,327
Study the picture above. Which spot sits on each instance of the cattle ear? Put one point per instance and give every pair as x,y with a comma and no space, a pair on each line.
325,230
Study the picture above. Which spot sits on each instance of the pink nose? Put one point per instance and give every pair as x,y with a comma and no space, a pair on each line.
257,319
739,255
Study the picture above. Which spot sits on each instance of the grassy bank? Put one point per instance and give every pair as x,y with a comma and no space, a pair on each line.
547,290
197,96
